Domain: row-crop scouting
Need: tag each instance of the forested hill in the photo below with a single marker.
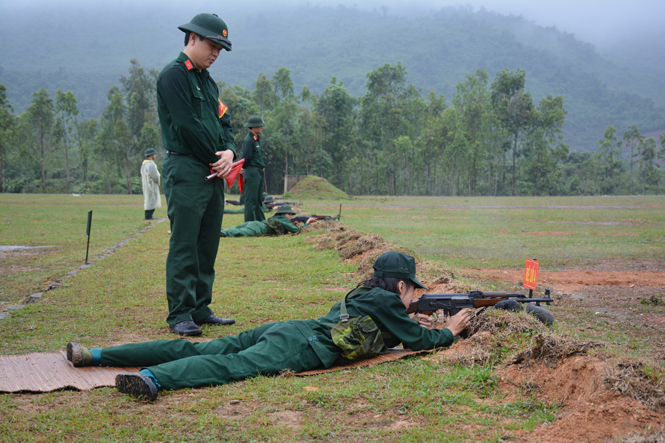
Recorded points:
(86, 49)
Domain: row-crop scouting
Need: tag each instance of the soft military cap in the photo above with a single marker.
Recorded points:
(286, 209)
(209, 26)
(149, 152)
(254, 122)
(393, 264)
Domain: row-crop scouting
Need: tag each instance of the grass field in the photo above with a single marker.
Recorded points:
(120, 299)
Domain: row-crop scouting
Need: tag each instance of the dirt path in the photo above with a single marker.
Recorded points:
(574, 280)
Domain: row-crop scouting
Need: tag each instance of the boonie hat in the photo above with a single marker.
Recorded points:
(254, 122)
(209, 26)
(393, 264)
(149, 152)
(286, 209)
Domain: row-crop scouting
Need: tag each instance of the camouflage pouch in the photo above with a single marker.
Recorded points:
(276, 226)
(357, 337)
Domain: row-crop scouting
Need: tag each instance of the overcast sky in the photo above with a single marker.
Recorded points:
(596, 21)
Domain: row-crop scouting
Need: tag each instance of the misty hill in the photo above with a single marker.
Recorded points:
(87, 47)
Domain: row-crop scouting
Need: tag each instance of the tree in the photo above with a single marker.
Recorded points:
(513, 108)
(646, 154)
(114, 137)
(609, 150)
(88, 131)
(632, 138)
(282, 84)
(41, 117)
(544, 147)
(7, 124)
(264, 95)
(335, 106)
(140, 97)
(472, 105)
(65, 107)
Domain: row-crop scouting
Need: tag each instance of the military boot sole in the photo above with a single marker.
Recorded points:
(74, 354)
(137, 385)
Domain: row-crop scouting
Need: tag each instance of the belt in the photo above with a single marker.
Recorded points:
(177, 153)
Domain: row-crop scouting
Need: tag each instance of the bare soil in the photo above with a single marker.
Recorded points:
(589, 409)
(573, 280)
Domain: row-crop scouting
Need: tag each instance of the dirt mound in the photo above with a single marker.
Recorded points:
(353, 246)
(475, 350)
(550, 348)
(313, 187)
(503, 323)
(589, 409)
(638, 381)
(598, 400)
(650, 437)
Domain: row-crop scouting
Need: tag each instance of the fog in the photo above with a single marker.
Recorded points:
(600, 22)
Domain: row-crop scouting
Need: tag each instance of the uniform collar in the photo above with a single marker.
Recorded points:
(184, 59)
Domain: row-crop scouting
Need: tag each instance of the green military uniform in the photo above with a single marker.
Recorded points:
(254, 167)
(278, 224)
(270, 348)
(194, 125)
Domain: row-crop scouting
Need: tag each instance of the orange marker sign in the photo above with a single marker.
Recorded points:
(530, 274)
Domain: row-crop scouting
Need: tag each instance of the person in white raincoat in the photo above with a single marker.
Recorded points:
(151, 179)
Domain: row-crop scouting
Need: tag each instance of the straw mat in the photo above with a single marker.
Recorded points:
(39, 372)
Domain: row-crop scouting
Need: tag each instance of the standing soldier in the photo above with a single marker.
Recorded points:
(150, 180)
(198, 137)
(253, 169)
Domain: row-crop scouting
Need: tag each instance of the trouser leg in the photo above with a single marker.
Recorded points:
(191, 199)
(249, 229)
(148, 213)
(253, 193)
(280, 347)
(207, 246)
(157, 352)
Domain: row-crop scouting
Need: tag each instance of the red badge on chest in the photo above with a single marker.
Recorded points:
(189, 65)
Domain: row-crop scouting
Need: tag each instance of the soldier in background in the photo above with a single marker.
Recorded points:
(150, 179)
(253, 170)
(279, 224)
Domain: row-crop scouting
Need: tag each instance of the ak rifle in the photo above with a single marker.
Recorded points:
(451, 304)
(304, 218)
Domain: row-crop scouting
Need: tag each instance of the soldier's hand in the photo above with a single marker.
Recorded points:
(311, 219)
(224, 164)
(458, 322)
(423, 320)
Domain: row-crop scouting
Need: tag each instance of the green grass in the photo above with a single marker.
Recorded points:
(503, 237)
(121, 299)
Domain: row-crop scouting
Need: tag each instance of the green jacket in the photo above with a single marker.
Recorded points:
(252, 152)
(193, 119)
(389, 314)
(282, 225)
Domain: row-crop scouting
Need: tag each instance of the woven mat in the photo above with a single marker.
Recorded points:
(392, 355)
(49, 372)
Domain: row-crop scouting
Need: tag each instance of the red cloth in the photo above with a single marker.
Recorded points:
(235, 169)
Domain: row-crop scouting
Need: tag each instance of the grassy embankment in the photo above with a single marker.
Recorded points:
(120, 299)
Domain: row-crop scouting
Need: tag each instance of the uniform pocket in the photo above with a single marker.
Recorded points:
(197, 101)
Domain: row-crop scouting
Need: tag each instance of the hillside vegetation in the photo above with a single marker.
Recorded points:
(317, 43)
